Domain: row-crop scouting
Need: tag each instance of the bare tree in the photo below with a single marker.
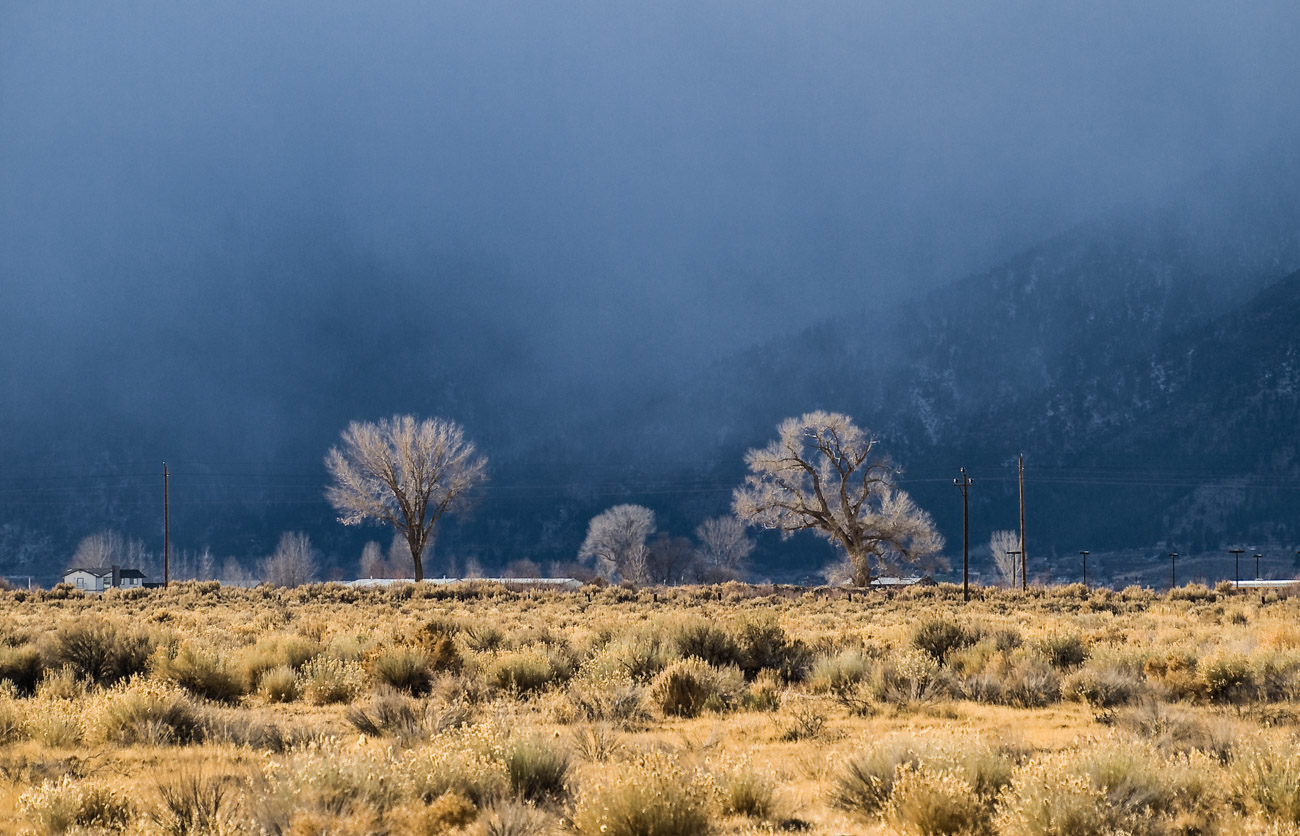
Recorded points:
(406, 473)
(1001, 544)
(373, 564)
(109, 548)
(823, 474)
(232, 571)
(616, 542)
(293, 563)
(724, 547)
(670, 560)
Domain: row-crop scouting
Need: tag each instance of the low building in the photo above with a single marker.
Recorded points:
(101, 578)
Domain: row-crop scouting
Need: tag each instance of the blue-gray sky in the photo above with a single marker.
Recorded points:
(591, 188)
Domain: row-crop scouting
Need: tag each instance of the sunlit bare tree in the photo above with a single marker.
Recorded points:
(823, 474)
(406, 473)
(293, 563)
(1001, 544)
(724, 546)
(616, 542)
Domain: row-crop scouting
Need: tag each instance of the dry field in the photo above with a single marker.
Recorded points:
(729, 710)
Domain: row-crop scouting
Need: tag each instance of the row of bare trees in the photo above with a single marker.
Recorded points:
(293, 563)
(821, 474)
(618, 545)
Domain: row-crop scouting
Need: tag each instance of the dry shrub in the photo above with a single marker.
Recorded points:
(390, 714)
(866, 782)
(689, 686)
(193, 802)
(838, 673)
(1021, 679)
(1227, 678)
(616, 700)
(49, 721)
(282, 651)
(640, 656)
(144, 711)
(651, 796)
(65, 805)
(940, 636)
(1264, 777)
(1046, 799)
(447, 814)
(404, 668)
(1277, 675)
(279, 685)
(525, 671)
(61, 684)
(1174, 672)
(22, 667)
(764, 645)
(926, 802)
(438, 641)
(1112, 787)
(1102, 687)
(326, 680)
(705, 640)
(511, 818)
(802, 722)
(596, 742)
(1063, 650)
(466, 761)
(318, 787)
(482, 637)
(765, 692)
(98, 651)
(538, 769)
(862, 786)
(201, 673)
(908, 676)
(1174, 730)
(746, 791)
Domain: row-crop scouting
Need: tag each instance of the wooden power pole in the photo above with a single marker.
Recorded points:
(1024, 560)
(167, 531)
(963, 484)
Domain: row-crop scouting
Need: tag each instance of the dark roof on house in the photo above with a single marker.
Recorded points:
(104, 571)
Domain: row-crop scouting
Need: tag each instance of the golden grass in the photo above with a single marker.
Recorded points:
(1205, 674)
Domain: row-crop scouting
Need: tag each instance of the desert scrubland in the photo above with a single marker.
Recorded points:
(732, 709)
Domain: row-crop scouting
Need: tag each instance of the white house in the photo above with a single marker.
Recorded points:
(100, 578)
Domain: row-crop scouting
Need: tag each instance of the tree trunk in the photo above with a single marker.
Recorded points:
(417, 555)
(860, 560)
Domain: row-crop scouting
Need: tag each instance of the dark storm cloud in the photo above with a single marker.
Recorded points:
(588, 189)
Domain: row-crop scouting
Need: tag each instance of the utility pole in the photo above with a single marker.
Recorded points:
(1085, 568)
(167, 530)
(1257, 557)
(1173, 577)
(1024, 559)
(963, 484)
(1236, 554)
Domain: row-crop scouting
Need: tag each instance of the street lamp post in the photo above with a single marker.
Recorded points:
(1173, 577)
(1085, 554)
(1236, 553)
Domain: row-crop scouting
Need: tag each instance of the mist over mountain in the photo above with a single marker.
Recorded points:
(618, 245)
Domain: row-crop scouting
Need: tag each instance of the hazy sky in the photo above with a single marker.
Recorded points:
(603, 185)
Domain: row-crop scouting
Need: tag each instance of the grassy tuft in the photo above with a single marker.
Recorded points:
(652, 796)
